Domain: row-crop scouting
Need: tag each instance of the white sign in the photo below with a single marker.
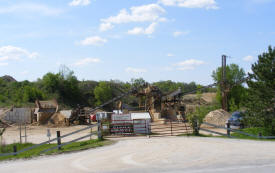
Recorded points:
(121, 118)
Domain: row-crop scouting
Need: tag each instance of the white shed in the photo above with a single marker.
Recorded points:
(141, 122)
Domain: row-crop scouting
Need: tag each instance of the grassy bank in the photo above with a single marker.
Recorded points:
(235, 135)
(76, 146)
(253, 131)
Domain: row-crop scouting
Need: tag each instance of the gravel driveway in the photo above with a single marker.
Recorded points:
(169, 154)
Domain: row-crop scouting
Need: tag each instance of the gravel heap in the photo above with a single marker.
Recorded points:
(217, 117)
(57, 120)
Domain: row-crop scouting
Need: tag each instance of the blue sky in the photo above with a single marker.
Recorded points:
(179, 40)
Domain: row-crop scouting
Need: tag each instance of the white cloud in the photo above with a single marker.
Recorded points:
(207, 4)
(170, 55)
(135, 70)
(189, 64)
(179, 33)
(15, 53)
(28, 8)
(139, 30)
(136, 31)
(80, 2)
(144, 13)
(86, 61)
(4, 63)
(248, 58)
(151, 28)
(105, 26)
(95, 41)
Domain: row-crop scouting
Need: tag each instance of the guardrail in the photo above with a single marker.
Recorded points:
(229, 130)
(59, 145)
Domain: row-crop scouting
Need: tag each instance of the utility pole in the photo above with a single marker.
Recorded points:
(224, 84)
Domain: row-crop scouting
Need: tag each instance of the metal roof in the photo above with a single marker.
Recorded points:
(140, 115)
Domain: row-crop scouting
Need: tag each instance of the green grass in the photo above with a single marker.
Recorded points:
(76, 146)
(235, 135)
(253, 131)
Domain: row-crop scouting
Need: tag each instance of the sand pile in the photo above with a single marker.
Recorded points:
(217, 117)
(57, 119)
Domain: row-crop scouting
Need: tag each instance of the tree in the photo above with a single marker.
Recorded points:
(30, 94)
(261, 93)
(62, 86)
(103, 93)
(237, 92)
(169, 86)
(50, 82)
(138, 82)
(195, 118)
(87, 92)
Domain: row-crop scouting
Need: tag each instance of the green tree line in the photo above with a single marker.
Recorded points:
(71, 92)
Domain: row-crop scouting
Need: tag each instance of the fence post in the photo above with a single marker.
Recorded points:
(14, 150)
(171, 127)
(58, 140)
(99, 134)
(20, 133)
(25, 133)
(260, 135)
(228, 129)
(196, 128)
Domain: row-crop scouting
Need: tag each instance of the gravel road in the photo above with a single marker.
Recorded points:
(38, 134)
(169, 154)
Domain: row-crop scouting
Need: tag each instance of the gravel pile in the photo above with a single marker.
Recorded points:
(217, 117)
(57, 120)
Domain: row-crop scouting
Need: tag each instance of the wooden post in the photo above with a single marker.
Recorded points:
(90, 122)
(58, 140)
(25, 133)
(228, 129)
(224, 84)
(14, 150)
(171, 127)
(260, 135)
(196, 128)
(99, 134)
(91, 131)
(20, 133)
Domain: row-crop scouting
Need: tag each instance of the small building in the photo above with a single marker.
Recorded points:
(135, 122)
(141, 122)
(44, 110)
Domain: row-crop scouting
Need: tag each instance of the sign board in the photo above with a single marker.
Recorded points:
(121, 118)
(48, 133)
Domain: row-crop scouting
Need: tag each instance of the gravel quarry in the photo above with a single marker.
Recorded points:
(160, 154)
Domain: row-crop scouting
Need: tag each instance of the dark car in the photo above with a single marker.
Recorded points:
(236, 120)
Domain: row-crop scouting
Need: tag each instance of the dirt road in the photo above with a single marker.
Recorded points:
(169, 154)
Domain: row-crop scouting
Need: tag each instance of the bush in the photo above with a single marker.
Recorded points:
(196, 117)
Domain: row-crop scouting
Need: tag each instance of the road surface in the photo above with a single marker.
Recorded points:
(164, 154)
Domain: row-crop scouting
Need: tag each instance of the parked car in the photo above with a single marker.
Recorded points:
(236, 120)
